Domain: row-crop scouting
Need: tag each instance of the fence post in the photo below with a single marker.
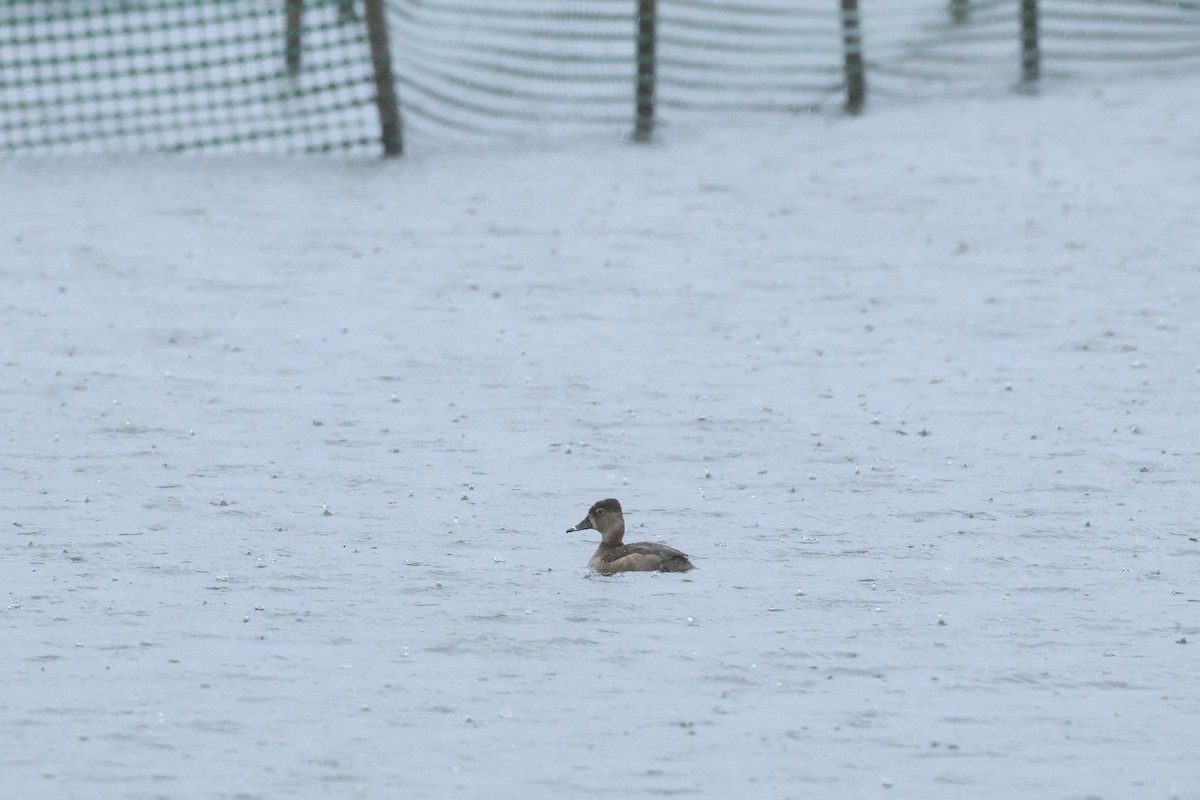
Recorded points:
(293, 35)
(647, 36)
(959, 11)
(1030, 53)
(856, 84)
(391, 133)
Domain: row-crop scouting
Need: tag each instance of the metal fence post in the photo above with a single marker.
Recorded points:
(391, 133)
(647, 35)
(856, 84)
(1030, 53)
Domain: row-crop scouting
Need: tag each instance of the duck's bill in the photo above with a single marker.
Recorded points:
(586, 525)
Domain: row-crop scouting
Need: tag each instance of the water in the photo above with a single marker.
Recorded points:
(289, 450)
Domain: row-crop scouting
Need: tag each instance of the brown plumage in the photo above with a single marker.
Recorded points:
(613, 556)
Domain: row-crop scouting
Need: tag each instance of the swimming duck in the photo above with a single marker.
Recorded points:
(612, 556)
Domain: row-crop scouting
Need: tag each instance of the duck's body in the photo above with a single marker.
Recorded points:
(614, 556)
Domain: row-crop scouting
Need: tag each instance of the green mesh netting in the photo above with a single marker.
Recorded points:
(104, 76)
(225, 75)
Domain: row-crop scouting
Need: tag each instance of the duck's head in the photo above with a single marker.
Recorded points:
(604, 516)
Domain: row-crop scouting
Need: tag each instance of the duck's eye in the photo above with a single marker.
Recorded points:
(599, 512)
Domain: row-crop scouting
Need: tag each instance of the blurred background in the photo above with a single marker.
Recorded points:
(298, 75)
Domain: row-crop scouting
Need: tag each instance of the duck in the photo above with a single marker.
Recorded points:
(612, 556)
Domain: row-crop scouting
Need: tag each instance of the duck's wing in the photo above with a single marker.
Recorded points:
(642, 549)
(642, 557)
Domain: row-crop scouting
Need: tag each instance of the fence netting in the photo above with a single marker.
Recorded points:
(291, 76)
(106, 75)
(925, 52)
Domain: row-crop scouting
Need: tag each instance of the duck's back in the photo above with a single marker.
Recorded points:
(640, 557)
